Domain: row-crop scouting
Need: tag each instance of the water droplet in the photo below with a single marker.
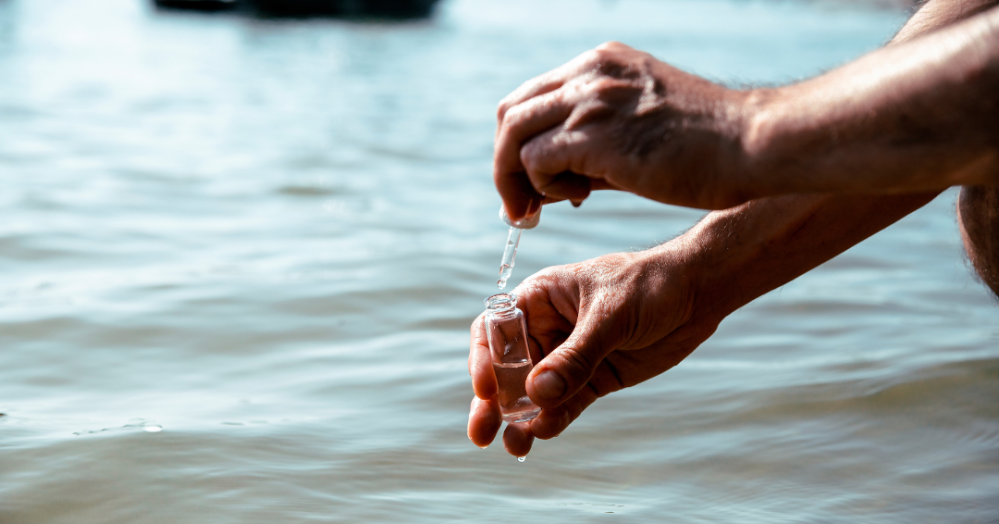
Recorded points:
(153, 429)
(521, 459)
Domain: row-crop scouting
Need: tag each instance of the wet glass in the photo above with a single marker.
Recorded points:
(506, 330)
(512, 241)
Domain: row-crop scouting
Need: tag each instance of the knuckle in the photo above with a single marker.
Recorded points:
(531, 157)
(589, 112)
(542, 280)
(574, 408)
(595, 55)
(615, 92)
(602, 85)
(527, 158)
(513, 117)
(501, 109)
(610, 48)
(610, 45)
(579, 367)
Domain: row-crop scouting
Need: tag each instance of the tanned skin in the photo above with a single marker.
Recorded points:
(615, 321)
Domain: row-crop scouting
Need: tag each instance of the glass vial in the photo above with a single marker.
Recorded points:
(506, 330)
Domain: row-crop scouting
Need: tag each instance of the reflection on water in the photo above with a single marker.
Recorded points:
(268, 238)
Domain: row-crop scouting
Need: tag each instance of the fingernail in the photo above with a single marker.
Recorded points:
(549, 385)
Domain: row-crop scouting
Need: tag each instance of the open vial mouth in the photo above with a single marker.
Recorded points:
(501, 302)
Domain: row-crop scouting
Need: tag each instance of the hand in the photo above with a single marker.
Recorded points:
(617, 118)
(594, 328)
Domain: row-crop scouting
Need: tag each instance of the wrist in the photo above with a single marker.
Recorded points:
(733, 121)
(755, 177)
(720, 263)
(680, 272)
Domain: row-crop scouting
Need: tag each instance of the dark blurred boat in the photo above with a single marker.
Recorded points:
(198, 5)
(306, 8)
(350, 8)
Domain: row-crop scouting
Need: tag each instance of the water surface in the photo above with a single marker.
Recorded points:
(239, 258)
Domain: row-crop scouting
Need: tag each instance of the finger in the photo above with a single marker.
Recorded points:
(525, 120)
(519, 197)
(551, 422)
(580, 65)
(546, 324)
(518, 439)
(538, 105)
(480, 363)
(571, 365)
(539, 85)
(637, 364)
(566, 185)
(484, 421)
(599, 184)
(556, 163)
(551, 200)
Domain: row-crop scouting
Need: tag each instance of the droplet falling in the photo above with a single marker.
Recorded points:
(509, 256)
(521, 459)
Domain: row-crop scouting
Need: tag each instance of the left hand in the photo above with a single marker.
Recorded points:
(617, 118)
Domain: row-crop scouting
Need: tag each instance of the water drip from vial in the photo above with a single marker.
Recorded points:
(509, 256)
(521, 459)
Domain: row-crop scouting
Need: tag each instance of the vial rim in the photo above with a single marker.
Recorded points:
(501, 302)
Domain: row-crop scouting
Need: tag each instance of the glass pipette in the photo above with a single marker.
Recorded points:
(509, 256)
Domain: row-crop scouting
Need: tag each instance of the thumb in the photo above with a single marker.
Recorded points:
(567, 369)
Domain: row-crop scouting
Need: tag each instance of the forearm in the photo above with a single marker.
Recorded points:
(919, 115)
(749, 250)
(940, 13)
(739, 254)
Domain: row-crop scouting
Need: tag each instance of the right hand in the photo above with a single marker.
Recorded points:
(594, 328)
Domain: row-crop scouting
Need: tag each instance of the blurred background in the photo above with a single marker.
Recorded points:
(241, 246)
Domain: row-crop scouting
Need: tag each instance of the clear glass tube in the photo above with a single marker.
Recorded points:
(509, 256)
(512, 241)
(506, 330)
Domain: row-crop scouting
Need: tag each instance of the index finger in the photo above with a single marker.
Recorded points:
(543, 83)
(538, 85)
(519, 191)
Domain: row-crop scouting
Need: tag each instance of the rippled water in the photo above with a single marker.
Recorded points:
(239, 258)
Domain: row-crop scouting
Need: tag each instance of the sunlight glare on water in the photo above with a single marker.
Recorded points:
(262, 235)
